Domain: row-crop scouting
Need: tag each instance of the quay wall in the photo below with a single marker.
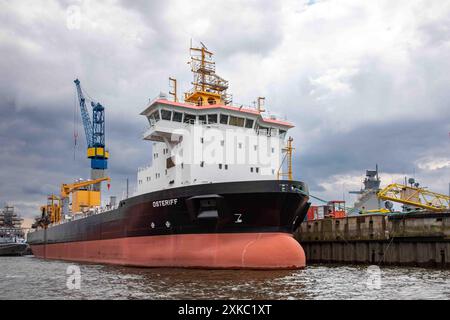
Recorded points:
(411, 239)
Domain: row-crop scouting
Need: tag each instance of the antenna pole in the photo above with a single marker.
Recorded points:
(261, 101)
(173, 86)
(289, 151)
(288, 155)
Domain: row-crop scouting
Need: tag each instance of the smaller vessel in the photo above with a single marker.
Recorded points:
(12, 241)
(368, 199)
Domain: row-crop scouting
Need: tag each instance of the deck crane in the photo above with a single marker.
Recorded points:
(95, 135)
(83, 197)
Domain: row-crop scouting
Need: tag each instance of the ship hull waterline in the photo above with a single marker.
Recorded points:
(206, 251)
(235, 225)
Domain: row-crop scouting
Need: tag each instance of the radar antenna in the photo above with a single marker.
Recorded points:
(208, 87)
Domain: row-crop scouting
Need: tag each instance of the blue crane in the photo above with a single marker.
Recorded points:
(94, 131)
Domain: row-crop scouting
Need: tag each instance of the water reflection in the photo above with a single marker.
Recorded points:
(32, 278)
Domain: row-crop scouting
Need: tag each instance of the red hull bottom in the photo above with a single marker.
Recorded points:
(215, 251)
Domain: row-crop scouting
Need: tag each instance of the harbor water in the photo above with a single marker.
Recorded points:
(32, 278)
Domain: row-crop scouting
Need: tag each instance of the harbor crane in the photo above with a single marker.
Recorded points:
(95, 135)
(85, 194)
(415, 196)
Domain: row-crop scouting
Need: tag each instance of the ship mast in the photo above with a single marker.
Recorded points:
(288, 155)
(208, 87)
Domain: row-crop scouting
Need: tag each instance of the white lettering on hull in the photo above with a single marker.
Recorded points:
(164, 203)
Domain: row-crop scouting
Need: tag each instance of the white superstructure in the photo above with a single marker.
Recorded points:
(206, 144)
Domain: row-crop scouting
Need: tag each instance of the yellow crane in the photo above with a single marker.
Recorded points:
(82, 196)
(414, 196)
(66, 189)
(52, 210)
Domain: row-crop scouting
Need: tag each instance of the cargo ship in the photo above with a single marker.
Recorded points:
(215, 195)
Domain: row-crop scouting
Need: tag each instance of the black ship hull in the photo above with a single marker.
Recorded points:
(221, 225)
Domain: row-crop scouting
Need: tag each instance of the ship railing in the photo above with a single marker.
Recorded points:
(82, 215)
(160, 96)
(228, 99)
(200, 122)
(146, 131)
(190, 122)
(163, 96)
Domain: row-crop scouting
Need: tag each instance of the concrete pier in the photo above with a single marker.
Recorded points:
(411, 239)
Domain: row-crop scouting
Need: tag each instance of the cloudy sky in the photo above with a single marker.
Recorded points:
(365, 82)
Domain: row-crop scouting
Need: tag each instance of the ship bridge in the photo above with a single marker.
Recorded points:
(167, 117)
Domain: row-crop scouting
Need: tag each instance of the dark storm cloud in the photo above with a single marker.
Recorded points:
(394, 145)
(236, 27)
(40, 59)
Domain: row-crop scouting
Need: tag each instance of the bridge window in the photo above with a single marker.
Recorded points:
(224, 119)
(202, 119)
(212, 118)
(166, 114)
(249, 123)
(236, 121)
(177, 116)
(155, 116)
(189, 118)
